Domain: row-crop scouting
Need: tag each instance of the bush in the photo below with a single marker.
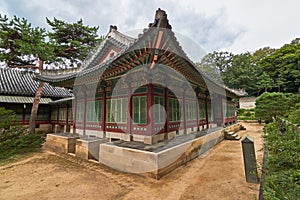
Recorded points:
(283, 163)
(15, 139)
(6, 118)
(294, 116)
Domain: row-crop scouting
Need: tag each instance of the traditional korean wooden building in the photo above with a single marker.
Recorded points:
(17, 91)
(143, 89)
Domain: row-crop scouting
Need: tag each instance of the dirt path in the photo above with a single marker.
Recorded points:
(217, 175)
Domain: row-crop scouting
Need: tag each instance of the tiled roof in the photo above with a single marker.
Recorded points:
(17, 82)
(127, 44)
(93, 61)
(22, 99)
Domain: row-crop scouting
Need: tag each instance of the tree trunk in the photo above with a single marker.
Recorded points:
(36, 103)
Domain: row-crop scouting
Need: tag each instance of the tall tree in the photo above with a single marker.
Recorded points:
(72, 41)
(242, 74)
(283, 66)
(265, 82)
(261, 53)
(66, 45)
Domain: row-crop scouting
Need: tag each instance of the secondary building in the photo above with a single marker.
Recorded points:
(17, 91)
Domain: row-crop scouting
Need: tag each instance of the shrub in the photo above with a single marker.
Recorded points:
(283, 163)
(15, 139)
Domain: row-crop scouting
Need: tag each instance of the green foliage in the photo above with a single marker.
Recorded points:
(283, 163)
(261, 53)
(283, 67)
(242, 73)
(272, 105)
(216, 63)
(72, 41)
(265, 82)
(21, 44)
(294, 115)
(6, 118)
(15, 139)
(246, 114)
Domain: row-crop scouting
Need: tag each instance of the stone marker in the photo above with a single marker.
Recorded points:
(249, 159)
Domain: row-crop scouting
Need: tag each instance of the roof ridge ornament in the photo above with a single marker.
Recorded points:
(161, 20)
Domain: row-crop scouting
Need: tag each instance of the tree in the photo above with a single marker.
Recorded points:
(216, 63)
(269, 106)
(21, 44)
(283, 66)
(242, 74)
(261, 53)
(265, 82)
(72, 41)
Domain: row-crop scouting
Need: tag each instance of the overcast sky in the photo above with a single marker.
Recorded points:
(214, 25)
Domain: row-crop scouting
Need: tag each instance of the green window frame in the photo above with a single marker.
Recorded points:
(139, 109)
(202, 114)
(159, 111)
(94, 111)
(174, 110)
(79, 111)
(209, 112)
(116, 110)
(191, 110)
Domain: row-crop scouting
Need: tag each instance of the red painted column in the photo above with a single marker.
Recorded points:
(184, 113)
(197, 112)
(67, 115)
(74, 112)
(150, 120)
(57, 116)
(206, 112)
(129, 113)
(103, 120)
(23, 114)
(166, 98)
(84, 110)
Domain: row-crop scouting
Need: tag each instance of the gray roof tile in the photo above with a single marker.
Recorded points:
(17, 82)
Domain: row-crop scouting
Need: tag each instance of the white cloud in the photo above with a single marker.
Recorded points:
(230, 25)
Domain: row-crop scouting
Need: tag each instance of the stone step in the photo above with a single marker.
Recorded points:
(232, 136)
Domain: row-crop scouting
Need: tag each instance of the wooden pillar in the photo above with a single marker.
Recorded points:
(23, 114)
(197, 112)
(184, 113)
(84, 109)
(206, 112)
(129, 112)
(74, 112)
(218, 109)
(57, 116)
(166, 98)
(150, 98)
(103, 120)
(67, 115)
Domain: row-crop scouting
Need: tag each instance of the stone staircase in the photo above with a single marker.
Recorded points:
(231, 135)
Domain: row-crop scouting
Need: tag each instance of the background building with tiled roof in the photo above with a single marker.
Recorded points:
(17, 91)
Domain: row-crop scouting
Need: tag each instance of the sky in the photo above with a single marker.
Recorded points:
(237, 26)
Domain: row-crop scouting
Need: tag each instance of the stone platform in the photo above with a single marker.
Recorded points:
(61, 142)
(162, 158)
(87, 147)
(154, 160)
